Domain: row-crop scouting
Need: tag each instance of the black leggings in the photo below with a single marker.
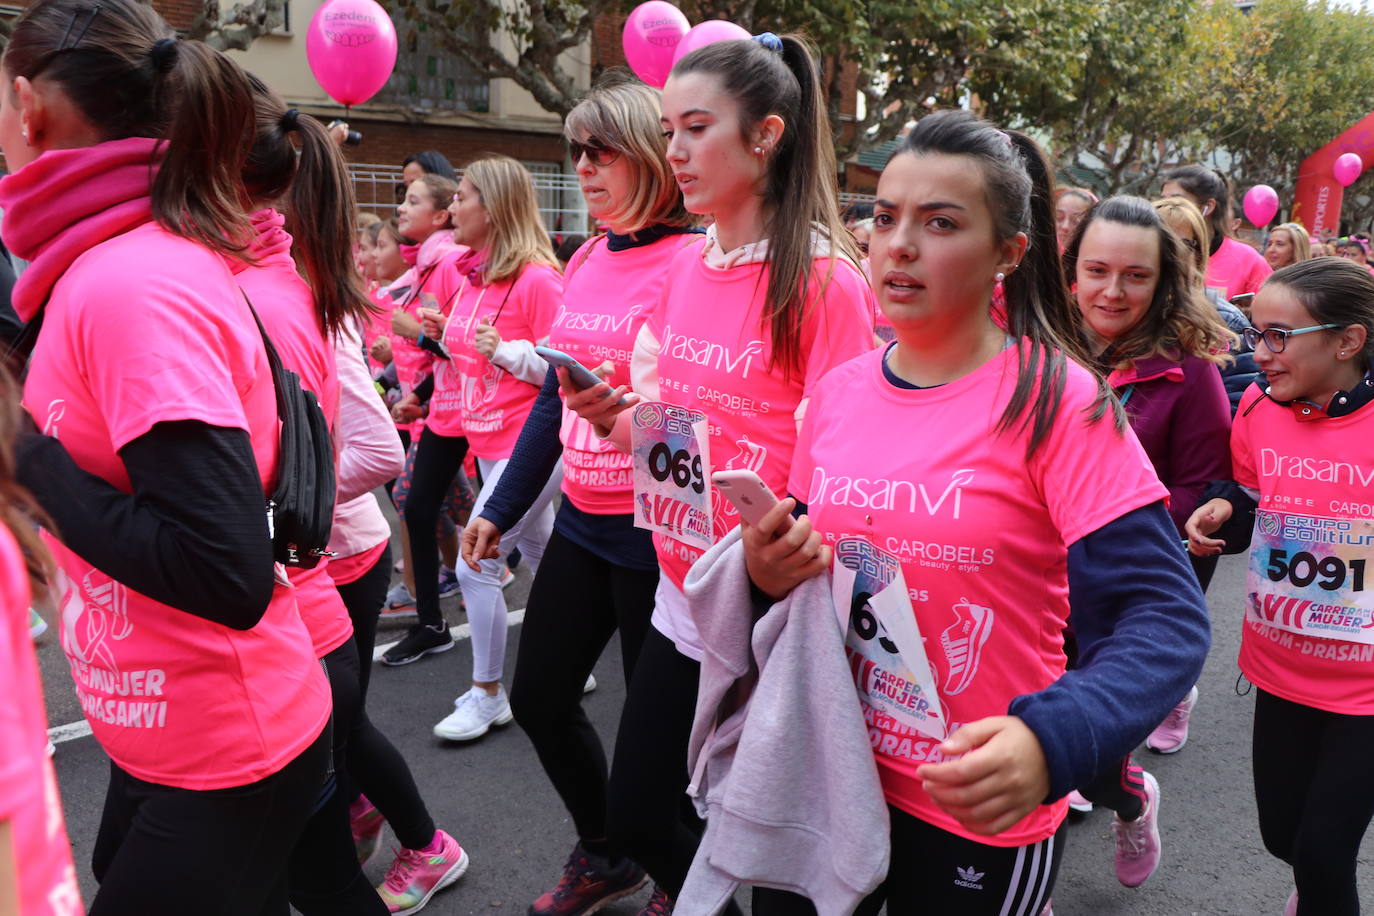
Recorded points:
(934, 871)
(649, 817)
(1314, 797)
(324, 875)
(375, 767)
(223, 852)
(437, 459)
(577, 602)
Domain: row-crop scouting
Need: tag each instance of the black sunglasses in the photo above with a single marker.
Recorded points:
(597, 153)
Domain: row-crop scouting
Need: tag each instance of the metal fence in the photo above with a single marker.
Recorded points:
(560, 198)
(378, 188)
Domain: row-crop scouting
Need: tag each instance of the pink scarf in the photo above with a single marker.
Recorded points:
(66, 202)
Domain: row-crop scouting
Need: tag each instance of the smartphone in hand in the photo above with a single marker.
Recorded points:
(581, 376)
(749, 495)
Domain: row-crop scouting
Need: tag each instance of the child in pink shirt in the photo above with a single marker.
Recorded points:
(1303, 501)
(1232, 267)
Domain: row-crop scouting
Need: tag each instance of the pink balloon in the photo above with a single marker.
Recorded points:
(1260, 204)
(1347, 168)
(708, 33)
(351, 48)
(651, 35)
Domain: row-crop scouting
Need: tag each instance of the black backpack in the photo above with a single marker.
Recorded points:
(300, 511)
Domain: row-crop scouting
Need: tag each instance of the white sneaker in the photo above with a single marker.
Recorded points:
(507, 577)
(590, 685)
(474, 713)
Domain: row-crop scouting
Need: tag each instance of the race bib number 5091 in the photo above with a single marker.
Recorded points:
(672, 472)
(1308, 575)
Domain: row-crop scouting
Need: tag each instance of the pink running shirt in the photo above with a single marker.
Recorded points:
(607, 295)
(1236, 268)
(28, 790)
(1315, 465)
(714, 357)
(982, 534)
(473, 396)
(123, 349)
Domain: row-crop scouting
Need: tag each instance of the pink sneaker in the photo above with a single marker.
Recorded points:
(366, 822)
(660, 904)
(1137, 842)
(1080, 804)
(1291, 907)
(1171, 734)
(418, 874)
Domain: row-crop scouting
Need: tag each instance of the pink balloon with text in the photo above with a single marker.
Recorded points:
(351, 48)
(651, 36)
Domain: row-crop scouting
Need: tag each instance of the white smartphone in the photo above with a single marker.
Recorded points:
(581, 376)
(749, 494)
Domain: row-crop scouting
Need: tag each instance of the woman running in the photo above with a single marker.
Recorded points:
(599, 572)
(1018, 460)
(1302, 501)
(1152, 333)
(151, 386)
(744, 328)
(498, 300)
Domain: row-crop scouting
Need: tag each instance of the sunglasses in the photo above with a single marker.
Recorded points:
(597, 154)
(1277, 338)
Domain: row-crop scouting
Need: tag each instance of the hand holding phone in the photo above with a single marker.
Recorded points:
(749, 495)
(579, 374)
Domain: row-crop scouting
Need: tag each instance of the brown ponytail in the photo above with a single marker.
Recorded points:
(800, 195)
(319, 203)
(122, 67)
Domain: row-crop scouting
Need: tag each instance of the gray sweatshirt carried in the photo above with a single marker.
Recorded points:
(779, 755)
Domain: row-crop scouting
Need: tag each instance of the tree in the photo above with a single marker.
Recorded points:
(240, 26)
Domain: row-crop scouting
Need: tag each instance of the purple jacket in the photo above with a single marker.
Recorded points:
(1181, 415)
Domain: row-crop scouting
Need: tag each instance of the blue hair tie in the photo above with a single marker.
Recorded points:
(769, 41)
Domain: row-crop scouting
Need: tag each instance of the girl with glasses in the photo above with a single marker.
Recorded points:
(1302, 500)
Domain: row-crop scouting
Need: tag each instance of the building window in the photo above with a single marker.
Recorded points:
(429, 78)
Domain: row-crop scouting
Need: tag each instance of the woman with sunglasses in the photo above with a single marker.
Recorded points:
(1303, 501)
(496, 301)
(599, 572)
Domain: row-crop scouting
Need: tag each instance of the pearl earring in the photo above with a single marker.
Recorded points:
(758, 151)
(24, 132)
(1000, 277)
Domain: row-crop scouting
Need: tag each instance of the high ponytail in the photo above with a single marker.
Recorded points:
(1207, 184)
(1040, 318)
(778, 76)
(317, 196)
(122, 67)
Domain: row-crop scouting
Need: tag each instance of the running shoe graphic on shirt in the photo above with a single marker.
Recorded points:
(963, 644)
(750, 457)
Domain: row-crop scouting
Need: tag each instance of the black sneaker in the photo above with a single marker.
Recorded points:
(419, 641)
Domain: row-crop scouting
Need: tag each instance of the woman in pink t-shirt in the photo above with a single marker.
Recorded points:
(159, 437)
(1303, 501)
(1233, 267)
(37, 877)
(600, 571)
(496, 301)
(1159, 341)
(990, 467)
(745, 327)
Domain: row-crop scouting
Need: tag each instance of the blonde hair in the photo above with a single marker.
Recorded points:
(1179, 213)
(622, 115)
(517, 237)
(1299, 240)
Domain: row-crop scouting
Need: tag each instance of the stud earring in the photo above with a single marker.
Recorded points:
(758, 151)
(24, 132)
(1000, 277)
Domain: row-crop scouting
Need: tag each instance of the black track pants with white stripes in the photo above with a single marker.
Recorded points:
(934, 871)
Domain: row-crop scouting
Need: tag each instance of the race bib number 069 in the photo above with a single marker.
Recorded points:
(672, 472)
(1309, 575)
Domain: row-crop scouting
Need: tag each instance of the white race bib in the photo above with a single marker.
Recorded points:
(672, 472)
(1312, 575)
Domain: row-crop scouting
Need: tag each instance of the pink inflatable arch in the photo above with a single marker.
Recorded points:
(1317, 201)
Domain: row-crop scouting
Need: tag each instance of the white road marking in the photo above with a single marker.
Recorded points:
(73, 730)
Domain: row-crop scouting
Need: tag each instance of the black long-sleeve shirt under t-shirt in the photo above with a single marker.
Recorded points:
(193, 533)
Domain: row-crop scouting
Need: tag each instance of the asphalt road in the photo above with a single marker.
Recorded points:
(493, 795)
